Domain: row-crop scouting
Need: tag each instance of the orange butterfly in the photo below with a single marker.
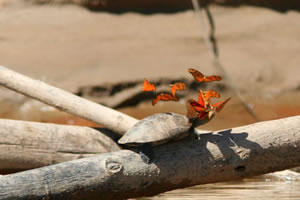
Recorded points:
(164, 97)
(191, 112)
(204, 97)
(218, 106)
(211, 93)
(197, 106)
(208, 114)
(200, 110)
(148, 86)
(177, 86)
(201, 99)
(194, 109)
(198, 76)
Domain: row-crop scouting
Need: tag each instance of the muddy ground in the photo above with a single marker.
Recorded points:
(80, 50)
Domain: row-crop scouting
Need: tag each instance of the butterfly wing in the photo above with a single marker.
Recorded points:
(177, 86)
(148, 86)
(211, 93)
(164, 97)
(168, 97)
(200, 110)
(203, 100)
(191, 112)
(220, 104)
(198, 76)
(173, 89)
(198, 107)
(202, 115)
(180, 86)
(212, 78)
(194, 109)
(155, 100)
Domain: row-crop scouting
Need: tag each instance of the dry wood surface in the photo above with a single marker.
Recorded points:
(27, 145)
(225, 155)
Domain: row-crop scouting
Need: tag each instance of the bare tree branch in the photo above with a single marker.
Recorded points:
(65, 101)
(217, 156)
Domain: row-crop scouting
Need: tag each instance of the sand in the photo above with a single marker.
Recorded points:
(70, 47)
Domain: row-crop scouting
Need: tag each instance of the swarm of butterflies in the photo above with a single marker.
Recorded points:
(202, 108)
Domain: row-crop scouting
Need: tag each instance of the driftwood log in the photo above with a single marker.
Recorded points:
(215, 156)
(65, 101)
(27, 145)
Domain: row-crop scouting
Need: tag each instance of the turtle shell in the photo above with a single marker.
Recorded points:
(156, 129)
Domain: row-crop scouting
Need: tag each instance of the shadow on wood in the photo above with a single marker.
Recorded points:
(217, 156)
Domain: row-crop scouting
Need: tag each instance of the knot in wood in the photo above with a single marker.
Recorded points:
(113, 166)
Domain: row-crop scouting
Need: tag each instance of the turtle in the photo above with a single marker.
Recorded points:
(158, 129)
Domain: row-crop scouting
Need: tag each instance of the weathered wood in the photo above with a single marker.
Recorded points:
(27, 145)
(65, 101)
(217, 156)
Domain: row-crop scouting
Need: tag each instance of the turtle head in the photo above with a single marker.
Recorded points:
(198, 122)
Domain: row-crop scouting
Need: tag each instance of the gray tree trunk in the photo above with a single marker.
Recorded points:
(216, 156)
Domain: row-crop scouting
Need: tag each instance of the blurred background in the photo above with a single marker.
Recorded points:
(103, 49)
